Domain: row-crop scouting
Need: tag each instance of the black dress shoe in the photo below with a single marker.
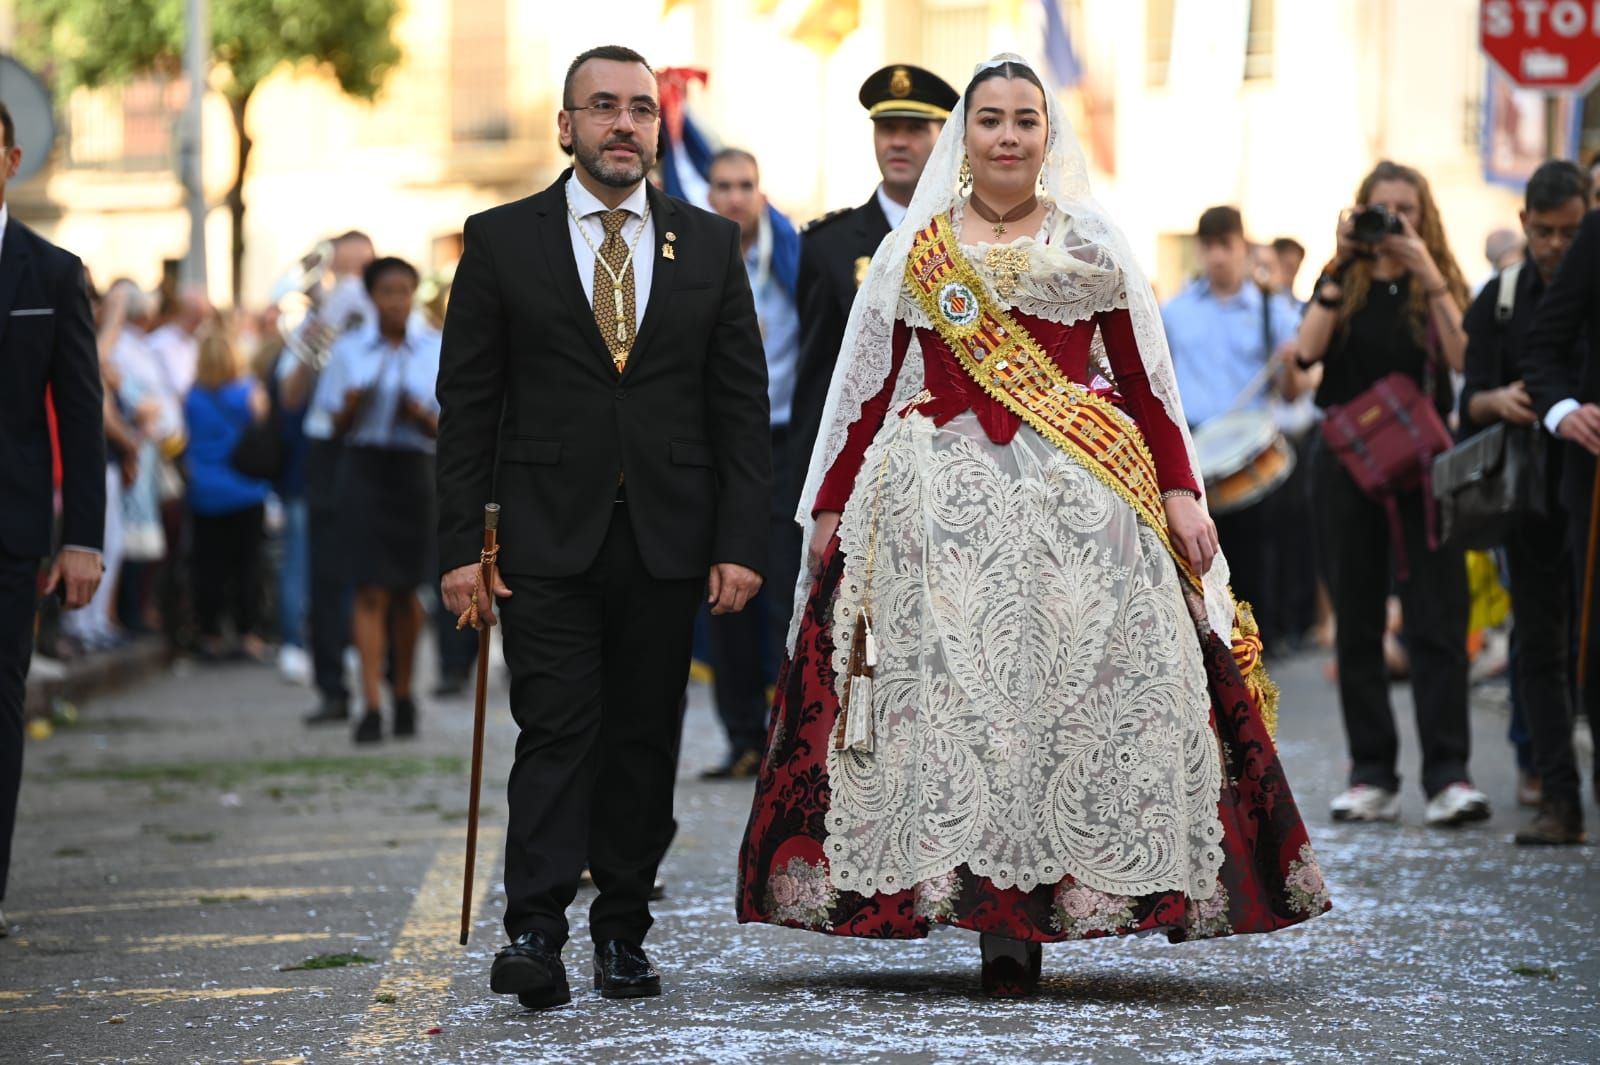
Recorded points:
(529, 969)
(621, 970)
(370, 728)
(405, 717)
(450, 685)
(331, 712)
(742, 766)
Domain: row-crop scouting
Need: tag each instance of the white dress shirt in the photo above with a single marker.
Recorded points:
(587, 206)
(362, 358)
(5, 217)
(894, 212)
(179, 354)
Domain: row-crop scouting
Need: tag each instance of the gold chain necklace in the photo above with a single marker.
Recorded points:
(616, 276)
(994, 218)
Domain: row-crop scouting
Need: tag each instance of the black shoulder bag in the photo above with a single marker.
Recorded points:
(1487, 481)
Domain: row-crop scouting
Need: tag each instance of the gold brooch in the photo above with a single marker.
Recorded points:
(666, 250)
(1007, 263)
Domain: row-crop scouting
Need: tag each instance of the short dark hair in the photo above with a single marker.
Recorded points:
(1289, 246)
(1220, 223)
(374, 271)
(1555, 183)
(615, 52)
(1007, 70)
(726, 154)
(11, 127)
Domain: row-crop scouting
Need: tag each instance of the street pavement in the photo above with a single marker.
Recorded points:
(187, 848)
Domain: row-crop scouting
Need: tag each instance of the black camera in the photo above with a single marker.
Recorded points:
(1372, 223)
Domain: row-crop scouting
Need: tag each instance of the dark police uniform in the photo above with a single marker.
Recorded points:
(834, 252)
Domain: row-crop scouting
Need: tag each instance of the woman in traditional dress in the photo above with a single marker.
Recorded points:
(1019, 697)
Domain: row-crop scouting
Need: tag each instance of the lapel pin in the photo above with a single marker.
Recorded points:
(666, 249)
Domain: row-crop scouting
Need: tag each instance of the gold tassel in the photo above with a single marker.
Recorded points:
(1246, 647)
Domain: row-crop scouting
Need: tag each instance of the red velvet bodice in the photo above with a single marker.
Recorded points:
(954, 392)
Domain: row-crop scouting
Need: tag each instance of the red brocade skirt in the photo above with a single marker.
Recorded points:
(1269, 878)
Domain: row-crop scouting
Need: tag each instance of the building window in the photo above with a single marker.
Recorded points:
(479, 85)
(1258, 41)
(127, 128)
(1157, 40)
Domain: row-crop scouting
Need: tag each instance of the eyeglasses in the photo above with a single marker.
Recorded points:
(607, 112)
(1539, 231)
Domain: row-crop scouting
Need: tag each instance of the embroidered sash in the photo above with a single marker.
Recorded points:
(1010, 366)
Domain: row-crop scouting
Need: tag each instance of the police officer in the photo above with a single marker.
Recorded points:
(908, 107)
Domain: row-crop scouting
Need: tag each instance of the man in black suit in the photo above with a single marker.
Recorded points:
(46, 343)
(908, 106)
(1563, 381)
(601, 350)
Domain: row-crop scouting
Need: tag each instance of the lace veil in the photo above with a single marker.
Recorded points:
(1081, 226)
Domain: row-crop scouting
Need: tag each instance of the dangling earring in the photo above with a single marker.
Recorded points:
(964, 179)
(1043, 188)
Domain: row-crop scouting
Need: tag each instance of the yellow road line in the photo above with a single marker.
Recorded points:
(415, 992)
(179, 898)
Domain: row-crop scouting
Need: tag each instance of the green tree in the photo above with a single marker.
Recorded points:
(91, 43)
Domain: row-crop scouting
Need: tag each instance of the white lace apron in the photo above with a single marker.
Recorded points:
(1040, 705)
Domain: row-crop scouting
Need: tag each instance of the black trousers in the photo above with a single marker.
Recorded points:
(742, 644)
(598, 665)
(1542, 584)
(1354, 536)
(225, 566)
(328, 615)
(1576, 495)
(1247, 540)
(18, 587)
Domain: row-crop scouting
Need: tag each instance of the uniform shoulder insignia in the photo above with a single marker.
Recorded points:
(823, 220)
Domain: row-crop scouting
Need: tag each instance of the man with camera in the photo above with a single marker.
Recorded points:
(1537, 557)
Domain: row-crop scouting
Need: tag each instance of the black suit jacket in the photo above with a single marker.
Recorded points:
(47, 341)
(526, 384)
(832, 250)
(1555, 365)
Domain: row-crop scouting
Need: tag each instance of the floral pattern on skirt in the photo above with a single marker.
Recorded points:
(1269, 877)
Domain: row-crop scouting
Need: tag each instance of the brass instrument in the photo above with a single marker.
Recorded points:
(303, 291)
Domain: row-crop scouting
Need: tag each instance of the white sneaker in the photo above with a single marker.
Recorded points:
(294, 665)
(1457, 804)
(1363, 802)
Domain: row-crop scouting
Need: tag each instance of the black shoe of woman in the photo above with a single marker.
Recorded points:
(1011, 967)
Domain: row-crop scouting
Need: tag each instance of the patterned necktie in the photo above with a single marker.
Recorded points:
(613, 300)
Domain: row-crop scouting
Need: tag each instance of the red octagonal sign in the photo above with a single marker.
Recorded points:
(1543, 44)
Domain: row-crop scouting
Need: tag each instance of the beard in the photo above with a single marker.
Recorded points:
(619, 176)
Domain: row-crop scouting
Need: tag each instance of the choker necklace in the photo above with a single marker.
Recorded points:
(994, 218)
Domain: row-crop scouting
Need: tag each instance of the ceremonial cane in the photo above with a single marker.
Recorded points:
(1588, 580)
(486, 561)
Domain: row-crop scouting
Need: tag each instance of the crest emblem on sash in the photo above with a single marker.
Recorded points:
(958, 304)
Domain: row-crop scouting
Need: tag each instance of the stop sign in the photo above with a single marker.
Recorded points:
(1543, 44)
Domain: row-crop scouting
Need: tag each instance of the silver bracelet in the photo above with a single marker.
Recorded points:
(1171, 492)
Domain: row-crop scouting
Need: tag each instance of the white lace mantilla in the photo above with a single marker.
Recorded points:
(1040, 705)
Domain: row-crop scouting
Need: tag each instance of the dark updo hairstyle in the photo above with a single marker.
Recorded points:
(1007, 70)
(375, 270)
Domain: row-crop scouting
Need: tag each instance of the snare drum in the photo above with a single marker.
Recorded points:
(1243, 459)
